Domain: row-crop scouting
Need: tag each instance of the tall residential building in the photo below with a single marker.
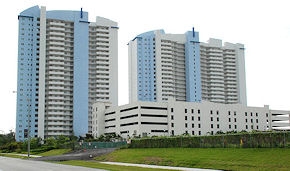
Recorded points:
(178, 67)
(65, 64)
(223, 72)
(164, 66)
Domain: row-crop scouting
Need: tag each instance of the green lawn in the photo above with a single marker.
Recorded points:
(215, 158)
(240, 159)
(54, 152)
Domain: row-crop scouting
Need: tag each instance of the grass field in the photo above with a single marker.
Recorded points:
(214, 158)
(54, 152)
(248, 159)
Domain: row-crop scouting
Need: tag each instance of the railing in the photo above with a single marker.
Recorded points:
(96, 145)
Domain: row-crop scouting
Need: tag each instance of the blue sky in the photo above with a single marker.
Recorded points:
(262, 26)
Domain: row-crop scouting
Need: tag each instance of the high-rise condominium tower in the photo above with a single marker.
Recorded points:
(179, 67)
(65, 64)
(223, 72)
(164, 66)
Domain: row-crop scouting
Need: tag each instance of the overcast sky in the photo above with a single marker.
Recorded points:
(263, 26)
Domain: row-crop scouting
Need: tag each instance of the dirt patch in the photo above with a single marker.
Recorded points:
(153, 160)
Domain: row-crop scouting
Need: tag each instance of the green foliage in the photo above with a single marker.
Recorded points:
(6, 138)
(59, 142)
(7, 143)
(110, 137)
(11, 147)
(220, 140)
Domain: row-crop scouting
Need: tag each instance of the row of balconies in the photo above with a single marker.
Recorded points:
(102, 53)
(180, 85)
(59, 117)
(215, 62)
(55, 23)
(99, 42)
(57, 129)
(56, 33)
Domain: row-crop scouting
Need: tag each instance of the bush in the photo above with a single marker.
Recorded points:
(230, 140)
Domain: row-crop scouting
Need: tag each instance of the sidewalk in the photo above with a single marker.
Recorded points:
(24, 155)
(158, 167)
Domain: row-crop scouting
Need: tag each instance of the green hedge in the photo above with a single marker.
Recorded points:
(238, 140)
(95, 145)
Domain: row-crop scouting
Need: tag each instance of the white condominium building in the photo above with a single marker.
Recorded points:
(179, 67)
(65, 64)
(164, 66)
(223, 72)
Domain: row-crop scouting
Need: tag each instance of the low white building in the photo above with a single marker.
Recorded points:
(177, 118)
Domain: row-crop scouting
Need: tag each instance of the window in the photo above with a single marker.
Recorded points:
(218, 126)
(198, 125)
(172, 124)
(185, 110)
(171, 110)
(199, 118)
(172, 117)
(210, 111)
(192, 125)
(229, 119)
(211, 118)
(246, 114)
(185, 125)
(185, 118)
(211, 125)
(198, 111)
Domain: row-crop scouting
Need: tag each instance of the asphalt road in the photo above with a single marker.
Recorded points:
(13, 164)
(88, 154)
